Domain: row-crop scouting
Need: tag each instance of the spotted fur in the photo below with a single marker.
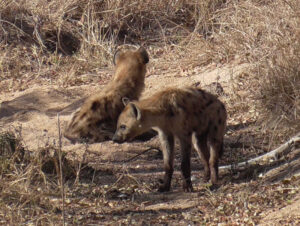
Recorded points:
(196, 117)
(96, 120)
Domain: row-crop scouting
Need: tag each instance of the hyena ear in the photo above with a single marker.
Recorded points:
(144, 54)
(116, 56)
(125, 100)
(136, 111)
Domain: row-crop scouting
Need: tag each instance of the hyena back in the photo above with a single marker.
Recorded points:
(96, 120)
(197, 118)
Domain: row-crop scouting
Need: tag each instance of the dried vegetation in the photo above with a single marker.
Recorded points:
(67, 42)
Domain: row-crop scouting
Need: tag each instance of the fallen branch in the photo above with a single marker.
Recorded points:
(270, 156)
(286, 169)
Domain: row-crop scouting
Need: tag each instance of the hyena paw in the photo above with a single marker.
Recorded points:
(188, 187)
(206, 177)
(163, 187)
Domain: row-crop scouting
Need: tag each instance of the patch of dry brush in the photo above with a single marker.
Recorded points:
(269, 41)
(28, 182)
(61, 42)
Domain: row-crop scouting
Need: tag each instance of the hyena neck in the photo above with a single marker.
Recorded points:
(131, 89)
(151, 118)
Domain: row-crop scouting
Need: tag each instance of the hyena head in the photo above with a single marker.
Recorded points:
(130, 124)
(140, 56)
(96, 120)
(85, 127)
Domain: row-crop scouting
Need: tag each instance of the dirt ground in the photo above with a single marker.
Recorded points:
(128, 173)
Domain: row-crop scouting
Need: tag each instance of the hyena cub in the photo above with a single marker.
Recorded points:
(96, 120)
(190, 114)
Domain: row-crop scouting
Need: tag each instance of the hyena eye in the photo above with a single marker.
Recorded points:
(122, 127)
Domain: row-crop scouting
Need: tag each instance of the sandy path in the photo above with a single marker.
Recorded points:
(35, 109)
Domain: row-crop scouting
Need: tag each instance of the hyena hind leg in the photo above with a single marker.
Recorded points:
(185, 147)
(200, 144)
(216, 149)
(167, 142)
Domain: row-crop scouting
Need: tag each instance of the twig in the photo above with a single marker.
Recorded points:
(136, 181)
(110, 188)
(36, 32)
(59, 41)
(128, 160)
(23, 32)
(162, 30)
(80, 164)
(61, 170)
(283, 149)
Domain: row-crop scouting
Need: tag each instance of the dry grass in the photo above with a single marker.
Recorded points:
(269, 41)
(61, 41)
(17, 174)
(279, 92)
(29, 181)
(66, 42)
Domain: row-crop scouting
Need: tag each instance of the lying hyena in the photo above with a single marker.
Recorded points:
(192, 115)
(96, 120)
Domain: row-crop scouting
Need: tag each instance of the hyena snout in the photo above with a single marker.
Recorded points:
(70, 138)
(117, 138)
(120, 136)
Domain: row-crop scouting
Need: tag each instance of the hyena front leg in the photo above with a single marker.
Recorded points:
(185, 146)
(167, 142)
(200, 144)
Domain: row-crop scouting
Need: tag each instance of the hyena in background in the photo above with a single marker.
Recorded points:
(192, 115)
(96, 120)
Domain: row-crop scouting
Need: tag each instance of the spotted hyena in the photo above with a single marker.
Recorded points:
(190, 114)
(96, 120)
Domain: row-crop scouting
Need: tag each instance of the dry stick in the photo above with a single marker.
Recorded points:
(13, 25)
(80, 164)
(111, 187)
(59, 41)
(162, 30)
(130, 176)
(60, 172)
(283, 149)
(284, 170)
(37, 32)
(128, 160)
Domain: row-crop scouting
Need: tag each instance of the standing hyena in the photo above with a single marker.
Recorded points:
(96, 120)
(190, 114)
